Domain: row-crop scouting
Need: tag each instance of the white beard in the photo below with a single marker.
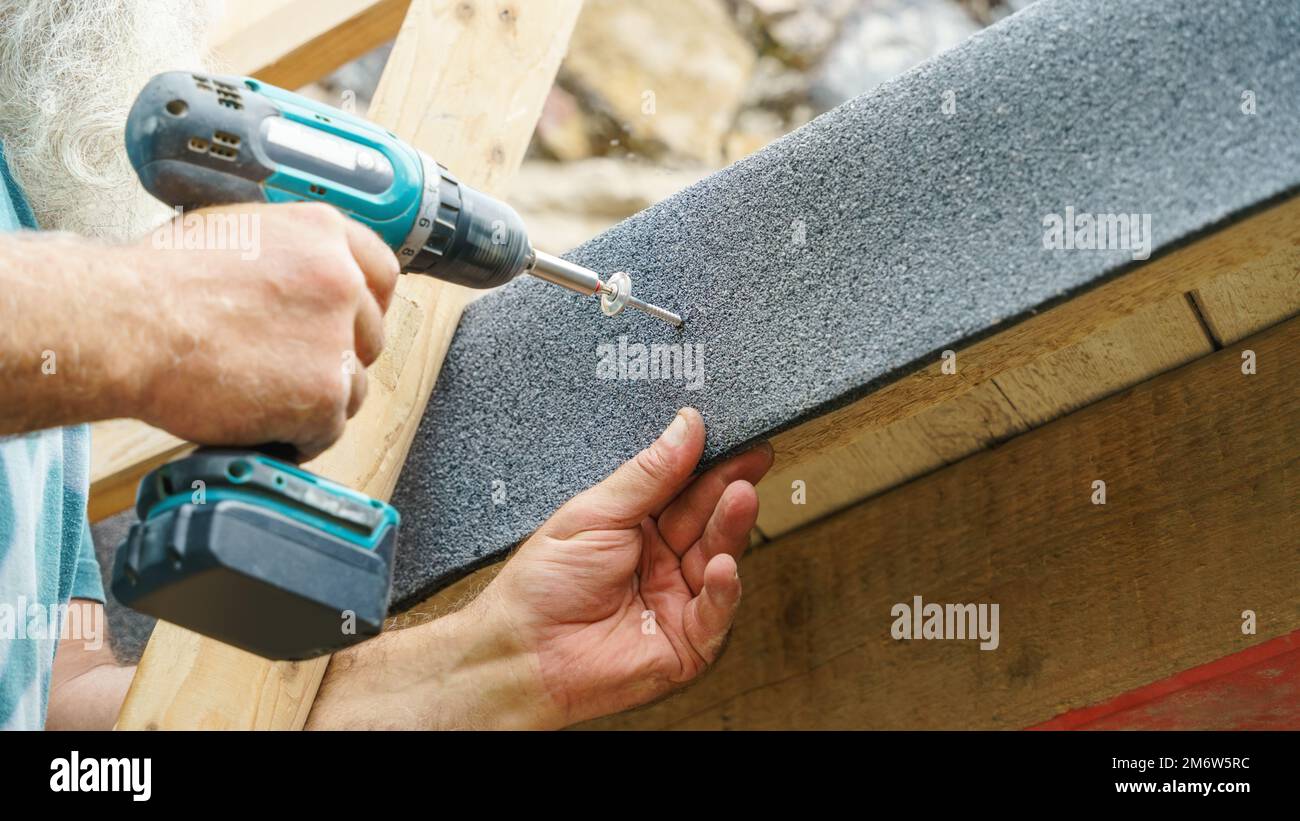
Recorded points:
(69, 71)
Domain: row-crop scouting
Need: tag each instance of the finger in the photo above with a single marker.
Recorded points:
(326, 424)
(376, 260)
(727, 532)
(322, 434)
(368, 332)
(360, 384)
(643, 484)
(709, 615)
(683, 521)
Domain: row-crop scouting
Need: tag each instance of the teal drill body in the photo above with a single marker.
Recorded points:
(198, 140)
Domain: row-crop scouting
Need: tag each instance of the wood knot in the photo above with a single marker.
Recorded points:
(797, 612)
(465, 10)
(497, 156)
(508, 15)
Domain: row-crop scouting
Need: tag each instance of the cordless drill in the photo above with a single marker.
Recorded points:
(243, 545)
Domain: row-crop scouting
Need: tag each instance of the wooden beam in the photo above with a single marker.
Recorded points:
(1262, 293)
(122, 451)
(1154, 339)
(291, 43)
(1202, 472)
(466, 83)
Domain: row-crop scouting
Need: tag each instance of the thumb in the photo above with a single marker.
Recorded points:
(643, 485)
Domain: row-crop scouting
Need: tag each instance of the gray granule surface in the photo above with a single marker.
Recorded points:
(128, 630)
(856, 249)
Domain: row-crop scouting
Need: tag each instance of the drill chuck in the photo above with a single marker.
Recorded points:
(462, 235)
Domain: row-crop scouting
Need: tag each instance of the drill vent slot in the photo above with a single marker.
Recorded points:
(318, 190)
(227, 94)
(213, 149)
(225, 138)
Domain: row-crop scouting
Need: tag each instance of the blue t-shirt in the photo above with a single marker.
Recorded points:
(46, 555)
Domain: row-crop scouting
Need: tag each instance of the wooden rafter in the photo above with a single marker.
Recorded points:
(290, 43)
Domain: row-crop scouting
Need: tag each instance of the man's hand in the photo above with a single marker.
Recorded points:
(223, 346)
(629, 590)
(625, 594)
(272, 349)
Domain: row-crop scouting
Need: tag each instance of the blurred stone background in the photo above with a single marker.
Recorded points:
(656, 94)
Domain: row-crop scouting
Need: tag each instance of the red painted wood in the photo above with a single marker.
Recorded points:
(1255, 689)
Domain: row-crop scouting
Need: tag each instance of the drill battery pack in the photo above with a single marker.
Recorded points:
(257, 553)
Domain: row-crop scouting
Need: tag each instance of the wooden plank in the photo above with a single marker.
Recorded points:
(466, 83)
(1153, 340)
(879, 458)
(1202, 467)
(1132, 349)
(1245, 302)
(186, 682)
(290, 43)
(121, 452)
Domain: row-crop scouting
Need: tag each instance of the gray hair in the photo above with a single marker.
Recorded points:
(69, 71)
